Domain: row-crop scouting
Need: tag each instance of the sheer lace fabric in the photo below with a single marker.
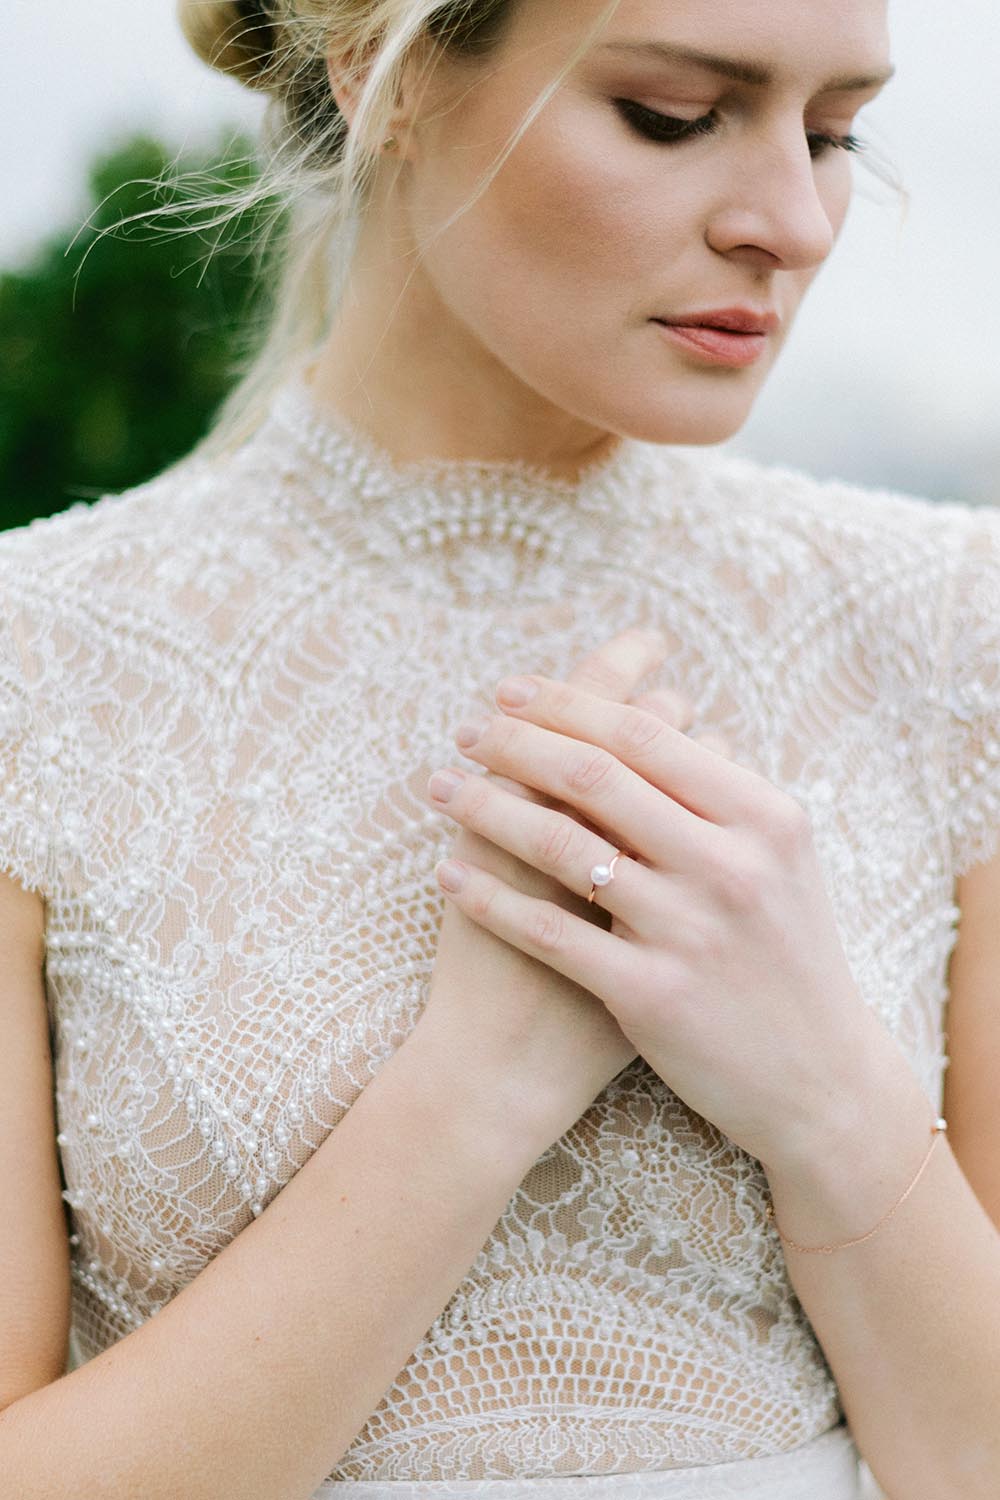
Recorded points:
(221, 695)
(824, 1469)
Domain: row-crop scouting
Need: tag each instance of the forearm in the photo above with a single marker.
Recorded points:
(253, 1381)
(909, 1320)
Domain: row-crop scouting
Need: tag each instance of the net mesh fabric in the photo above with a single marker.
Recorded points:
(222, 695)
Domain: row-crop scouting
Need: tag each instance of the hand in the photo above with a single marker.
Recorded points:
(498, 1010)
(722, 964)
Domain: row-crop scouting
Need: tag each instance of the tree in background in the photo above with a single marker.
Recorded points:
(117, 348)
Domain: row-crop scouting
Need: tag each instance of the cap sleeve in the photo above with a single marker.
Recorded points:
(971, 650)
(24, 835)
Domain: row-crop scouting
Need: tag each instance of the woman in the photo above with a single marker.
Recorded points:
(638, 1184)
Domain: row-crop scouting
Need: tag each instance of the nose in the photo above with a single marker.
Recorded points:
(773, 210)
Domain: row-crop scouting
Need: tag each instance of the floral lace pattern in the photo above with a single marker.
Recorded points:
(825, 1469)
(221, 695)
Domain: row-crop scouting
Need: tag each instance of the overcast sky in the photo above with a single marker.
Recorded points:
(892, 373)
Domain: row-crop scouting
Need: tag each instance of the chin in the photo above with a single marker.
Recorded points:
(689, 408)
(696, 422)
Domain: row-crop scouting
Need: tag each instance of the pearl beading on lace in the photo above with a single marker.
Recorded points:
(221, 695)
(412, 508)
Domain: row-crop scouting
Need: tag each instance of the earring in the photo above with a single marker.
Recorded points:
(388, 145)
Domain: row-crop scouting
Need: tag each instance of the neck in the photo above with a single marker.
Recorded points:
(407, 373)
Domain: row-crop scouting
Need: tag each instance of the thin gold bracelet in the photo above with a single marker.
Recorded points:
(938, 1128)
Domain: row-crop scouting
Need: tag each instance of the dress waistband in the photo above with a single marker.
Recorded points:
(825, 1469)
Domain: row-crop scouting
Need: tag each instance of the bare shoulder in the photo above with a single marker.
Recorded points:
(971, 1096)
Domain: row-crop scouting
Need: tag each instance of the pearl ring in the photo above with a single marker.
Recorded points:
(604, 874)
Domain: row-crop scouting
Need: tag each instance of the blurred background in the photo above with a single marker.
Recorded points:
(114, 353)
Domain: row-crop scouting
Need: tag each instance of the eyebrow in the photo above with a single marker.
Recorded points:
(741, 71)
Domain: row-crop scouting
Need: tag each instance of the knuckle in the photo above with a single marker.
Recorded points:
(636, 732)
(560, 842)
(547, 927)
(589, 771)
(739, 881)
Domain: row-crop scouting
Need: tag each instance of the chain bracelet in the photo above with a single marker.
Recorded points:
(938, 1128)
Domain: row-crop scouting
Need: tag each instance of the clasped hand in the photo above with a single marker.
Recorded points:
(722, 964)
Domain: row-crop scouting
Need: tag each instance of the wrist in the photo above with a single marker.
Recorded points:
(480, 1105)
(859, 1163)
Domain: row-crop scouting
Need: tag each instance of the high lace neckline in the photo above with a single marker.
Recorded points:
(333, 439)
(408, 506)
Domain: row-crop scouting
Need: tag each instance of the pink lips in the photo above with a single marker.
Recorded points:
(733, 336)
(733, 319)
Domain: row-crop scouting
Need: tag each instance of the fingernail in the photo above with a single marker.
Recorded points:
(451, 875)
(443, 784)
(515, 692)
(466, 735)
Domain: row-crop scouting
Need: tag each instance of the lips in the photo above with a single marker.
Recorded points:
(728, 319)
(714, 346)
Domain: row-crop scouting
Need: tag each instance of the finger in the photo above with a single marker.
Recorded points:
(705, 782)
(617, 800)
(552, 842)
(615, 669)
(667, 705)
(605, 965)
(716, 742)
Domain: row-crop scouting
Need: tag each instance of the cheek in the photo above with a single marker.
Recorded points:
(573, 224)
(571, 212)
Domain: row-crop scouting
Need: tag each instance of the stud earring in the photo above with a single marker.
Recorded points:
(388, 145)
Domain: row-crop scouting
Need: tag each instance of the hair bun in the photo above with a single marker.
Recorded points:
(235, 36)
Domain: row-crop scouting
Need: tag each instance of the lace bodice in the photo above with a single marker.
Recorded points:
(221, 695)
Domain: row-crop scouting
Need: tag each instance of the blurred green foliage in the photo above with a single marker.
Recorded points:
(116, 350)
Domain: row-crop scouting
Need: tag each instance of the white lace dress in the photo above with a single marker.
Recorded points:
(221, 695)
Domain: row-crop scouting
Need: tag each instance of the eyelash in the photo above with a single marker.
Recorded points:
(669, 131)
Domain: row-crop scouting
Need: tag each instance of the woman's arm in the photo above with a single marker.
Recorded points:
(253, 1381)
(909, 1320)
(724, 967)
(34, 1246)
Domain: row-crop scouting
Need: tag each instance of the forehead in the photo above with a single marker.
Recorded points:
(787, 39)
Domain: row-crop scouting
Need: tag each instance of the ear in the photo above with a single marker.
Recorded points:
(347, 81)
(345, 86)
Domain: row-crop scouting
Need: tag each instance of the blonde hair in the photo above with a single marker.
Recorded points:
(313, 174)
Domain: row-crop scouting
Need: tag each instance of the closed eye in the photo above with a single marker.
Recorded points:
(668, 130)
